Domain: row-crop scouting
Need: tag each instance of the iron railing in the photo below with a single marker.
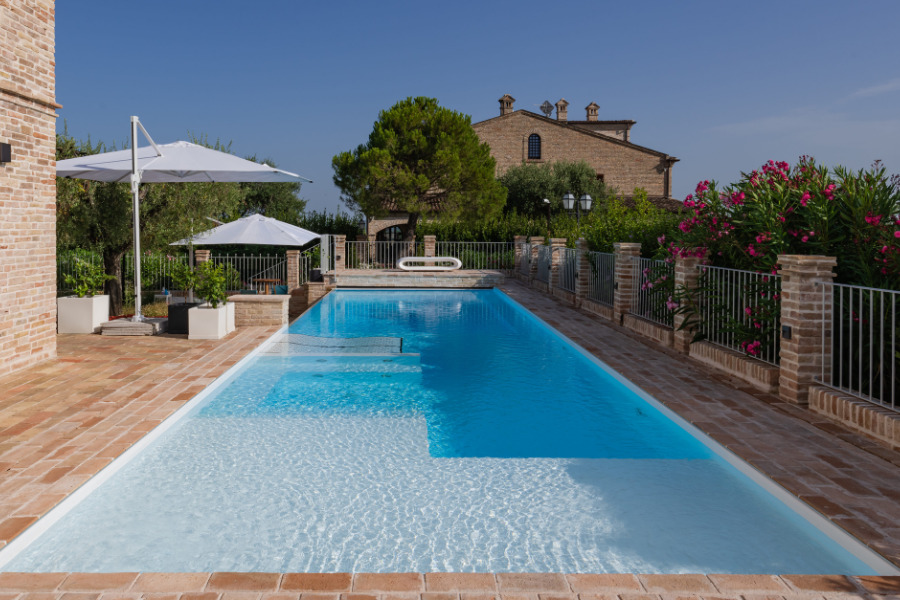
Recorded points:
(379, 255)
(740, 310)
(543, 264)
(525, 264)
(862, 355)
(565, 274)
(252, 272)
(495, 256)
(602, 283)
(652, 295)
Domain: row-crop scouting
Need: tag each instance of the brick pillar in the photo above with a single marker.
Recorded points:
(555, 259)
(535, 242)
(430, 243)
(803, 305)
(582, 271)
(625, 253)
(293, 270)
(518, 244)
(201, 256)
(686, 275)
(340, 249)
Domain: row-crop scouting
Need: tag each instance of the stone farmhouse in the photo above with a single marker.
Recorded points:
(519, 137)
(27, 183)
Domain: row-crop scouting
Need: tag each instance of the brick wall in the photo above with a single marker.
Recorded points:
(622, 165)
(27, 184)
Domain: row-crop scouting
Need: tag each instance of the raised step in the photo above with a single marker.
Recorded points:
(149, 326)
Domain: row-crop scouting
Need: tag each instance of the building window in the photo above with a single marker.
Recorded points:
(534, 146)
(600, 177)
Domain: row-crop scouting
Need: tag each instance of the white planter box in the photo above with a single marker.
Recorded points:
(229, 317)
(206, 323)
(81, 315)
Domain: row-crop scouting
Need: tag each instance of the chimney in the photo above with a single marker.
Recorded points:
(592, 109)
(562, 113)
(506, 104)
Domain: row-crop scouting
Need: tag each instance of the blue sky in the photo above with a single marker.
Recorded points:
(724, 86)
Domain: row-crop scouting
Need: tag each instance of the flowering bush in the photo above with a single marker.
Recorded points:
(779, 209)
(807, 209)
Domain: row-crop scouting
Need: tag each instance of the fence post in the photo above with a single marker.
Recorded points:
(519, 245)
(687, 274)
(555, 259)
(582, 271)
(626, 253)
(201, 256)
(340, 249)
(430, 243)
(293, 270)
(805, 334)
(535, 242)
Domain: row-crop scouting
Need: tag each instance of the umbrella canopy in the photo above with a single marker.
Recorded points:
(254, 229)
(175, 162)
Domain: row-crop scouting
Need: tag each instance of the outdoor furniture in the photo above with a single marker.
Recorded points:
(431, 263)
(266, 282)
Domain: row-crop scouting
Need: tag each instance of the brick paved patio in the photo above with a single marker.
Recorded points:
(64, 420)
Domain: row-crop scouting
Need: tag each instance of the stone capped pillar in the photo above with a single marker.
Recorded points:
(201, 256)
(293, 270)
(687, 274)
(535, 242)
(340, 249)
(582, 271)
(626, 253)
(805, 328)
(430, 245)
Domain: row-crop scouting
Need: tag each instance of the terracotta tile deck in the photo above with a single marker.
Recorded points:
(64, 420)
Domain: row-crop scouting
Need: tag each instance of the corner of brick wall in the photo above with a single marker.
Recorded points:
(875, 422)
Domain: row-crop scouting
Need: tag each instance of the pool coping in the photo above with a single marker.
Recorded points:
(502, 585)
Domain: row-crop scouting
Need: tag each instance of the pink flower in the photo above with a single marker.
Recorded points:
(805, 238)
(749, 311)
(671, 304)
(804, 198)
(897, 234)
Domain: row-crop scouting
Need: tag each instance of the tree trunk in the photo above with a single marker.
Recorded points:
(112, 265)
(411, 223)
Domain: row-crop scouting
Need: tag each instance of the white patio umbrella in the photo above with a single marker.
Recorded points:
(175, 162)
(252, 229)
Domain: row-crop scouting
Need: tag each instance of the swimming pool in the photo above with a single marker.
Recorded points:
(481, 441)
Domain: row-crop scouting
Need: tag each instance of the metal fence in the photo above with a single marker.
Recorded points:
(252, 271)
(65, 265)
(496, 256)
(543, 264)
(653, 293)
(602, 283)
(863, 354)
(525, 264)
(379, 255)
(740, 310)
(566, 269)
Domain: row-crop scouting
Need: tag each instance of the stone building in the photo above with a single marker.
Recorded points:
(521, 136)
(27, 183)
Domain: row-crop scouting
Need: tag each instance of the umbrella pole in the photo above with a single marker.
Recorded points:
(135, 185)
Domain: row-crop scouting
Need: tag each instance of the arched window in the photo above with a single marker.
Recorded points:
(534, 146)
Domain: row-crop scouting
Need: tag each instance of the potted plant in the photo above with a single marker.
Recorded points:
(184, 278)
(215, 320)
(88, 309)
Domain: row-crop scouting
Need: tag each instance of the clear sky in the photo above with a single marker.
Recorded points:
(722, 85)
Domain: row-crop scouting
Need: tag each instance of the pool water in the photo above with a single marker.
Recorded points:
(489, 444)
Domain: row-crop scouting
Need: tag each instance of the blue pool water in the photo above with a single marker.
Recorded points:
(488, 444)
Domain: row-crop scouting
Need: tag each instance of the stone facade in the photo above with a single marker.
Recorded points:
(604, 145)
(27, 184)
